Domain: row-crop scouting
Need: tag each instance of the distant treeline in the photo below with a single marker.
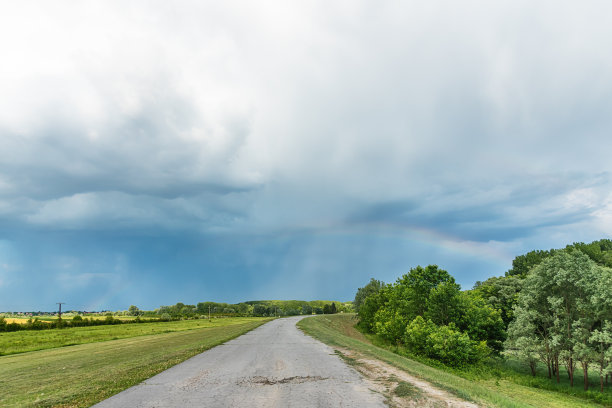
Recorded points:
(255, 308)
(259, 308)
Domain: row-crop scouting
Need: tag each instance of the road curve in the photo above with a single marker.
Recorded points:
(275, 365)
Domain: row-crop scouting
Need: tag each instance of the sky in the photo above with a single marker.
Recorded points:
(155, 152)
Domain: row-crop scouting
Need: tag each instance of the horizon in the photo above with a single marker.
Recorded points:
(153, 153)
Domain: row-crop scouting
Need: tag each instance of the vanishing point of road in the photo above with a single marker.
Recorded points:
(275, 365)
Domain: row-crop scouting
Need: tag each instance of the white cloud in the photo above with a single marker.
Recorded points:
(298, 115)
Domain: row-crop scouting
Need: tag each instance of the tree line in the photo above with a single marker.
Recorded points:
(552, 307)
(261, 308)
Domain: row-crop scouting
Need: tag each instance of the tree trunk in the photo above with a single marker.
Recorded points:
(585, 371)
(532, 365)
(557, 368)
(601, 383)
(549, 370)
(571, 371)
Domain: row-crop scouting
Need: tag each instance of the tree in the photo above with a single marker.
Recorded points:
(501, 293)
(601, 337)
(444, 303)
(555, 309)
(522, 264)
(417, 284)
(133, 311)
(481, 321)
(368, 309)
(362, 293)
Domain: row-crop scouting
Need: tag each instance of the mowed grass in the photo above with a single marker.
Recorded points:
(31, 340)
(339, 330)
(82, 375)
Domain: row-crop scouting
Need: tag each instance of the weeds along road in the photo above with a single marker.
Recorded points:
(275, 365)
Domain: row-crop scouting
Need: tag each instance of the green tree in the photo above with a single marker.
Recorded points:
(368, 310)
(555, 309)
(501, 293)
(481, 321)
(444, 303)
(133, 310)
(416, 285)
(522, 264)
(362, 293)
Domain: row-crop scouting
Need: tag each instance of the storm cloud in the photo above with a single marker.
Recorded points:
(152, 152)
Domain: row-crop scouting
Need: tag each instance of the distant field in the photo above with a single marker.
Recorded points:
(81, 375)
(44, 318)
(497, 391)
(31, 340)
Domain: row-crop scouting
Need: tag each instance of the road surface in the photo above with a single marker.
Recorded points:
(275, 365)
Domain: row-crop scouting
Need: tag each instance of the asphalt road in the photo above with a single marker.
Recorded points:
(275, 365)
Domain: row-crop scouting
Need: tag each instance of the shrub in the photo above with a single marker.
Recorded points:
(390, 324)
(454, 348)
(417, 333)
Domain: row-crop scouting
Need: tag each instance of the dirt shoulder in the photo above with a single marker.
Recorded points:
(400, 388)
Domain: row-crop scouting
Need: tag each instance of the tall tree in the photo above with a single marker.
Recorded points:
(555, 307)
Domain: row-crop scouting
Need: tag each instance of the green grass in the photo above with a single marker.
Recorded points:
(338, 330)
(405, 390)
(82, 375)
(31, 340)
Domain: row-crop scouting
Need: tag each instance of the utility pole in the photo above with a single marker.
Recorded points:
(209, 313)
(59, 315)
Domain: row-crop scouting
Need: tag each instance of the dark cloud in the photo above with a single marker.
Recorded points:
(277, 150)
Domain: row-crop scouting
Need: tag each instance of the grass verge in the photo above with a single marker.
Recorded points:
(82, 375)
(31, 340)
(338, 330)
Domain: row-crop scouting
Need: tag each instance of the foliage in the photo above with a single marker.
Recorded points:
(563, 313)
(426, 311)
(133, 311)
(522, 264)
(598, 251)
(493, 384)
(501, 293)
(362, 293)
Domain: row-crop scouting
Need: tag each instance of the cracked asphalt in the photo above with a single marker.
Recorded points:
(275, 365)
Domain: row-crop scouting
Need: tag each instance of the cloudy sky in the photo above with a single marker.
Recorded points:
(153, 152)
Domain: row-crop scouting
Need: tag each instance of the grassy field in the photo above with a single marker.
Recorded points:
(496, 391)
(81, 375)
(31, 340)
(65, 317)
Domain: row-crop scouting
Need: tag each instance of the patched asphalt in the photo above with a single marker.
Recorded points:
(275, 365)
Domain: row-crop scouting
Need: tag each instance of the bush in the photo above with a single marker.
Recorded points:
(417, 333)
(454, 348)
(443, 343)
(390, 324)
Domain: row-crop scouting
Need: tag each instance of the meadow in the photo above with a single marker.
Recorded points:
(505, 385)
(23, 341)
(98, 367)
